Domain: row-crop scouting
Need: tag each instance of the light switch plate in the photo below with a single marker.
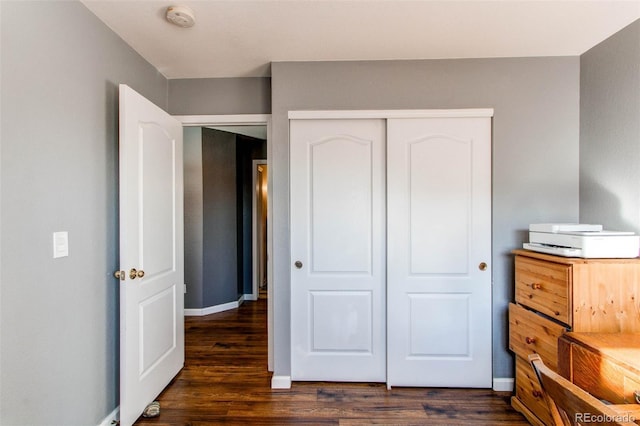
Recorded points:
(60, 244)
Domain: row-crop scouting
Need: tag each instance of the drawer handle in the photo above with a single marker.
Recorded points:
(536, 394)
(536, 286)
(530, 340)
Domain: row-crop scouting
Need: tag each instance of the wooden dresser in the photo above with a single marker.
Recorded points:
(555, 294)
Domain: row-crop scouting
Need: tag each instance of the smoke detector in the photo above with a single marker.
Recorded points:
(181, 16)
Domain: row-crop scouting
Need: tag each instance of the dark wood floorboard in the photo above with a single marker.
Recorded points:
(225, 380)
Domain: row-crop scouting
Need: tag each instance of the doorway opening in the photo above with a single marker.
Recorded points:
(252, 227)
(260, 220)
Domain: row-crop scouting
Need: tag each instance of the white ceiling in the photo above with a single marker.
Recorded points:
(240, 38)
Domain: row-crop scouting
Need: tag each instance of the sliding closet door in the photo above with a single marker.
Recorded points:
(338, 250)
(439, 252)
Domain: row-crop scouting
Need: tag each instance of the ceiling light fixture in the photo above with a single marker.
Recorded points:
(181, 16)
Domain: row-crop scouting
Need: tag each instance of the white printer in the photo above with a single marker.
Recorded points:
(582, 240)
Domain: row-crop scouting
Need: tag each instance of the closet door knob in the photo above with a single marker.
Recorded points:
(298, 264)
(482, 266)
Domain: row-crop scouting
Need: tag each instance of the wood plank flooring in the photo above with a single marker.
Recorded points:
(225, 380)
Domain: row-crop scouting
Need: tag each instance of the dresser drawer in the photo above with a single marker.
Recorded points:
(607, 365)
(528, 391)
(531, 333)
(544, 287)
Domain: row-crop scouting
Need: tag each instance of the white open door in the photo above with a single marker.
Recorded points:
(151, 252)
(439, 252)
(337, 249)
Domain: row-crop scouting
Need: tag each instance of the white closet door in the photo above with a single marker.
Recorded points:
(337, 243)
(439, 252)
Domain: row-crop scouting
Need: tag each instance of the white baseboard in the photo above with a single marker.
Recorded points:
(281, 382)
(503, 385)
(250, 297)
(112, 418)
(213, 309)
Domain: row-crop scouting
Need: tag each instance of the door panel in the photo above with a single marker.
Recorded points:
(340, 203)
(157, 189)
(440, 189)
(157, 313)
(439, 231)
(448, 318)
(151, 241)
(341, 321)
(337, 233)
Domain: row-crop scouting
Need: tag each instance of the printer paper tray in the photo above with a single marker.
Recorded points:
(558, 251)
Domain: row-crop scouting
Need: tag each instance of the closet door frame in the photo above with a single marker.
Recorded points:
(392, 114)
(389, 114)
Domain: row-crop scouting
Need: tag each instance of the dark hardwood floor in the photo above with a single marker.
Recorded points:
(225, 380)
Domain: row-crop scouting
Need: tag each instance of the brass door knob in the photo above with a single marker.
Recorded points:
(134, 273)
(482, 266)
(119, 275)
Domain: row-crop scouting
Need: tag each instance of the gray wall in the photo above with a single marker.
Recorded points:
(193, 217)
(535, 149)
(610, 132)
(59, 166)
(200, 96)
(220, 247)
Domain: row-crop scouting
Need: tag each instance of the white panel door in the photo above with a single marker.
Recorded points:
(439, 252)
(337, 250)
(151, 252)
